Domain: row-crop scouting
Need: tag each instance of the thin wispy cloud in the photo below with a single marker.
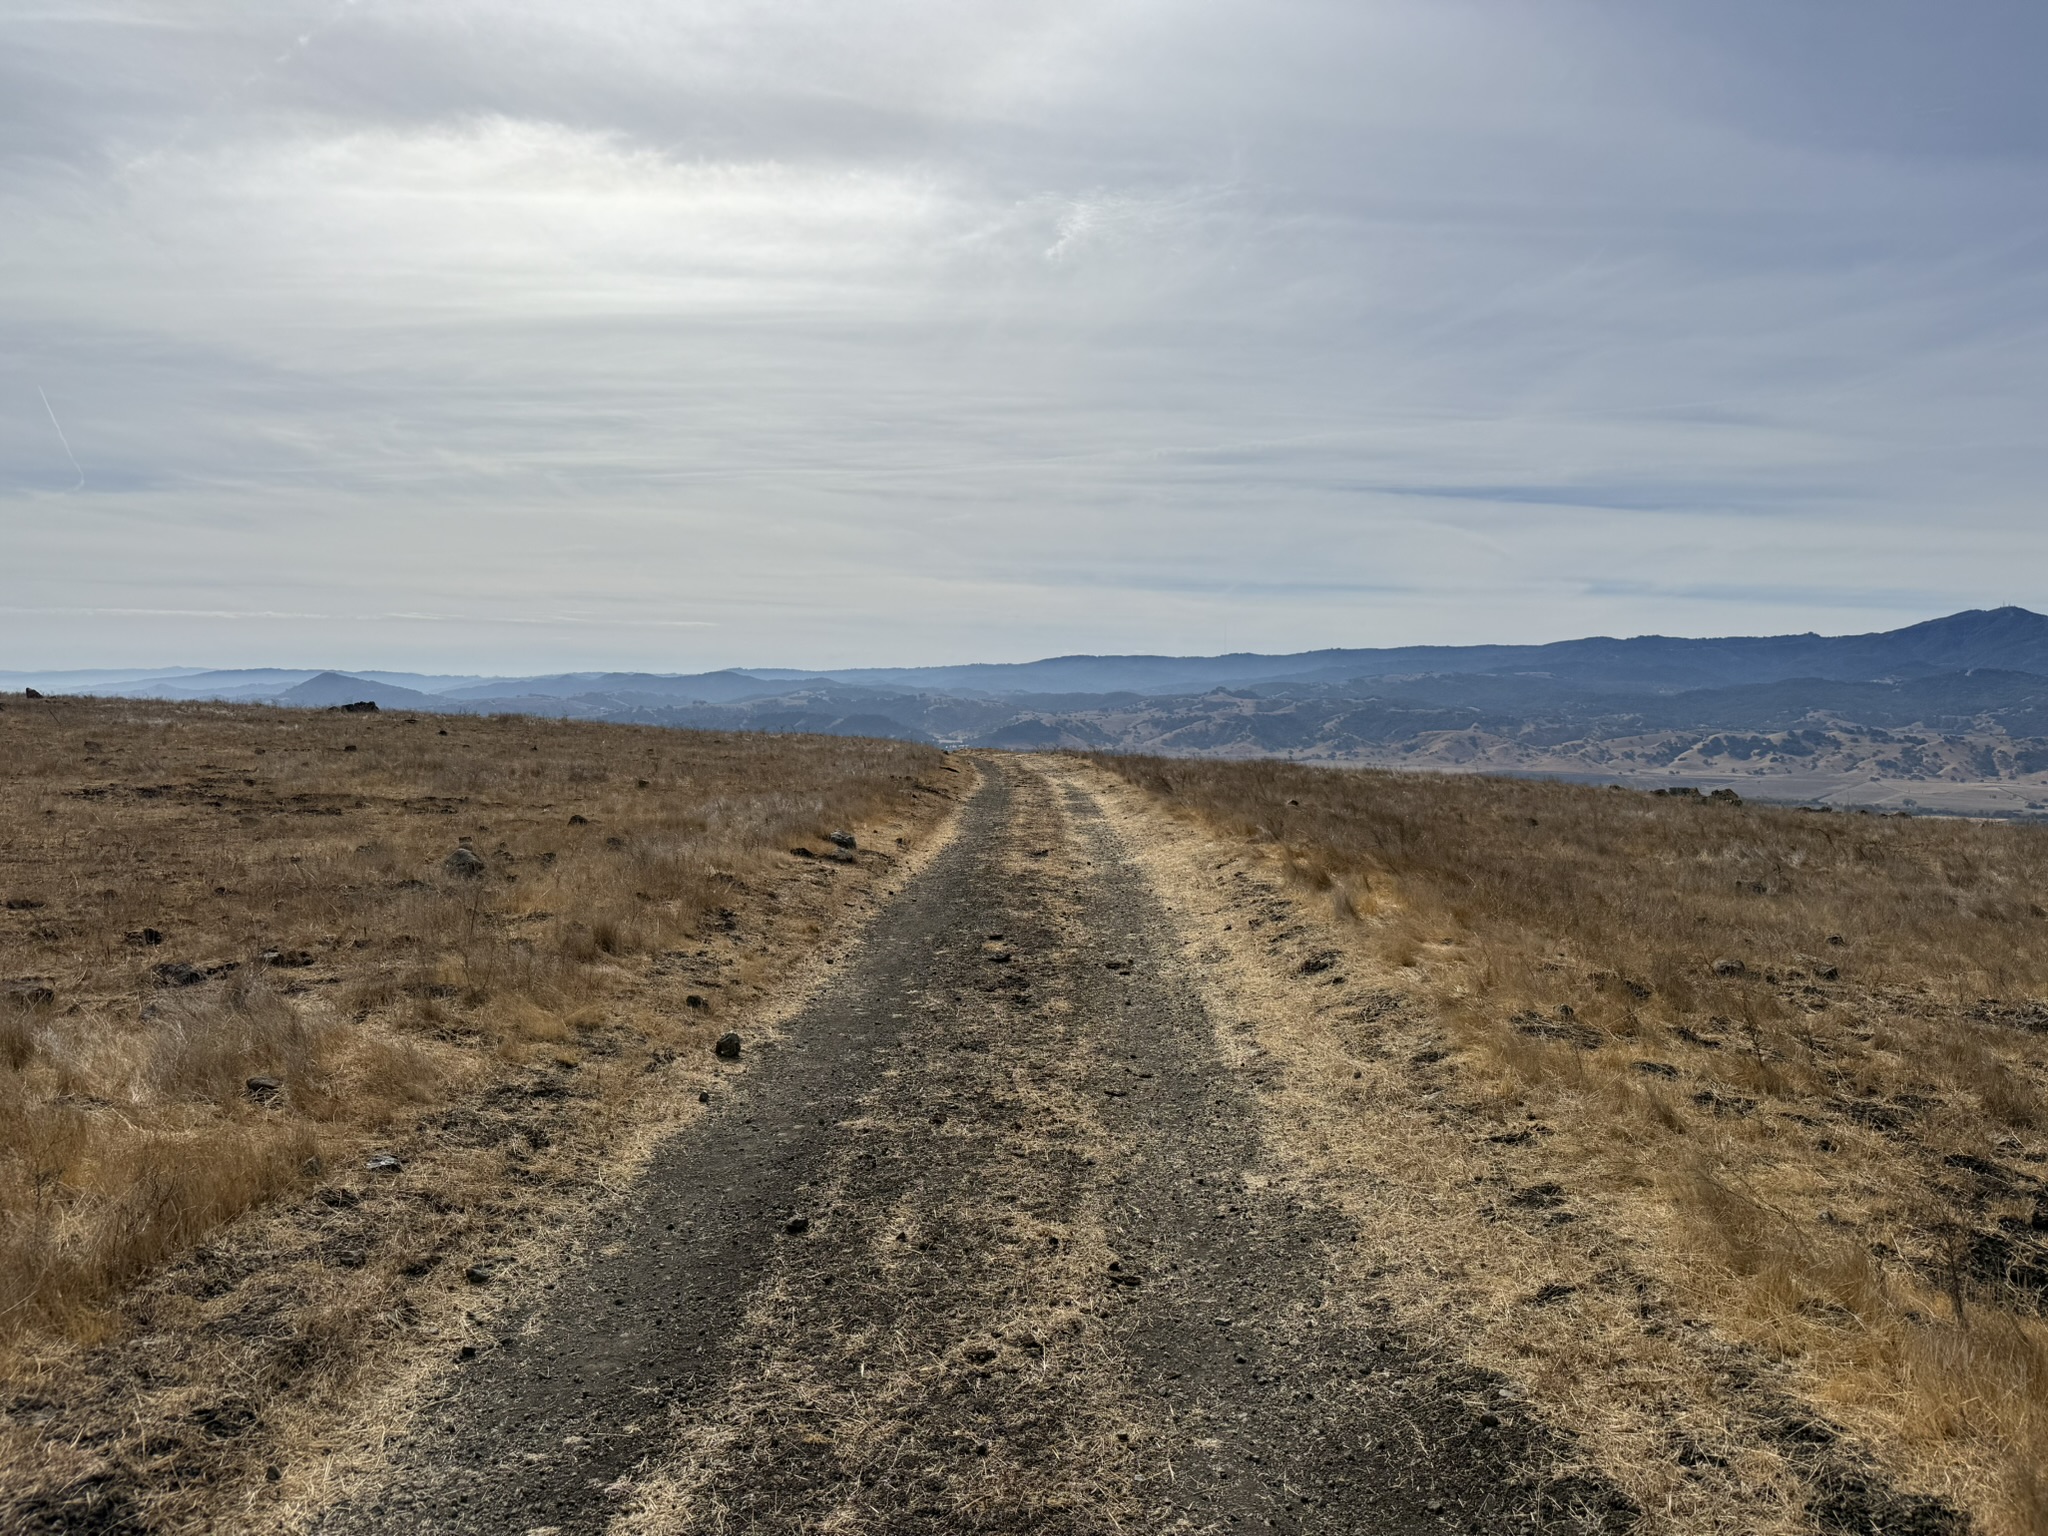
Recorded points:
(915, 332)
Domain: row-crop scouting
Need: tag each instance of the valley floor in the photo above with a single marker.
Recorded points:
(1847, 790)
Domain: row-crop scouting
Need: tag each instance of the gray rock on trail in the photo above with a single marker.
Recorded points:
(728, 1045)
(464, 863)
(843, 840)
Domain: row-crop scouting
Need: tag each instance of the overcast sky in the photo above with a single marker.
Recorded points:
(550, 334)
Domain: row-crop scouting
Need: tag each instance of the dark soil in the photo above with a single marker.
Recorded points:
(983, 1244)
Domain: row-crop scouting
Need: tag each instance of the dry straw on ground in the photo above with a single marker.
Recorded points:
(245, 950)
(1799, 1061)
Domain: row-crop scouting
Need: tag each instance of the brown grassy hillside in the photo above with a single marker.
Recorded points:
(244, 951)
(1798, 1061)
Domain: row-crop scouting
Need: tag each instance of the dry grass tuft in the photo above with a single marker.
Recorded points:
(1798, 1060)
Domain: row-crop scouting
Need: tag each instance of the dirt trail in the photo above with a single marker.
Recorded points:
(986, 1243)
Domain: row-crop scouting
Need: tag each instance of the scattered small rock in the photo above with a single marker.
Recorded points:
(796, 1226)
(264, 1089)
(477, 1274)
(728, 1045)
(694, 1000)
(579, 821)
(30, 994)
(1730, 968)
(842, 840)
(465, 863)
(179, 973)
(145, 937)
(31, 693)
(801, 853)
(383, 1162)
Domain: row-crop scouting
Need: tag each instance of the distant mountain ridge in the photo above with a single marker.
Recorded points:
(1956, 707)
(2009, 639)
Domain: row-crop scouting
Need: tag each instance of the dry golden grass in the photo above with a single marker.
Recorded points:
(235, 962)
(1795, 1060)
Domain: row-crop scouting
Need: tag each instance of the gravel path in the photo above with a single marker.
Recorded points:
(984, 1244)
